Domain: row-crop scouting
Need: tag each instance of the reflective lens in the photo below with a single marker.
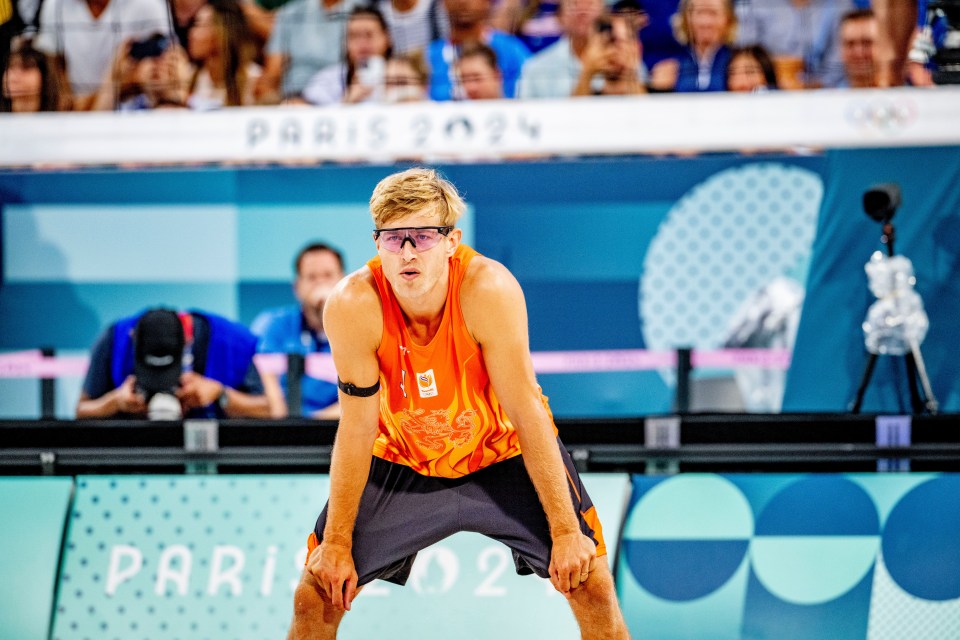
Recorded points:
(421, 238)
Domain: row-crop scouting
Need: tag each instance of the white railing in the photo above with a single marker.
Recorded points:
(468, 131)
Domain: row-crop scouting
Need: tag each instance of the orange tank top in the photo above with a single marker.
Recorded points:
(438, 412)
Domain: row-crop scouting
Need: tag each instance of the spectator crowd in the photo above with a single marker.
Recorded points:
(103, 55)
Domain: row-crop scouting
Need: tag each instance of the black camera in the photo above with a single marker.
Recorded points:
(880, 202)
(150, 47)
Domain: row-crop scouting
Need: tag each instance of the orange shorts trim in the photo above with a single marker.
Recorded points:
(312, 543)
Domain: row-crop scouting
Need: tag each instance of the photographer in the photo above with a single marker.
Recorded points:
(198, 362)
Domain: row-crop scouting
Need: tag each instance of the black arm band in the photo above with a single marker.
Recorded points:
(360, 392)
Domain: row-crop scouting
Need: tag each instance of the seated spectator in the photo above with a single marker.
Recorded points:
(479, 73)
(203, 361)
(751, 70)
(612, 60)
(298, 328)
(360, 76)
(221, 46)
(307, 37)
(858, 34)
(147, 74)
(414, 24)
(553, 73)
(31, 82)
(84, 35)
(406, 78)
(801, 35)
(469, 23)
(707, 28)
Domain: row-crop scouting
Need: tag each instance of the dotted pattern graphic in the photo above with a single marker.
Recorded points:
(895, 614)
(724, 240)
(231, 557)
(194, 557)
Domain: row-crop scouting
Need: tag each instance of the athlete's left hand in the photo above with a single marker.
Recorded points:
(571, 561)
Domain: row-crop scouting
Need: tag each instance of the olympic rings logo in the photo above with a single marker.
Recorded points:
(882, 114)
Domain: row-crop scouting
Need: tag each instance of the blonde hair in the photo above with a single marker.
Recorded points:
(411, 191)
(681, 26)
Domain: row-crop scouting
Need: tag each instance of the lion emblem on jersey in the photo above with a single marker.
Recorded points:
(434, 429)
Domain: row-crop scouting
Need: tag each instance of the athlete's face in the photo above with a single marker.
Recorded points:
(416, 273)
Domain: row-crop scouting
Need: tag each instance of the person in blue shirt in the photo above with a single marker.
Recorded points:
(470, 23)
(298, 328)
(707, 28)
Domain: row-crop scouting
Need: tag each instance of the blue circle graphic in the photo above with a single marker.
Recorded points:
(921, 540)
(682, 570)
(820, 505)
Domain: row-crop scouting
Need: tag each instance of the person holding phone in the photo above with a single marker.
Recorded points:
(556, 71)
(83, 36)
(149, 73)
(611, 62)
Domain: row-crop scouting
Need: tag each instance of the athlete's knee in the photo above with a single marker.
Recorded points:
(596, 600)
(597, 593)
(314, 616)
(308, 598)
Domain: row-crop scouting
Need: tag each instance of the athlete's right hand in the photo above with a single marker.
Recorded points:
(332, 566)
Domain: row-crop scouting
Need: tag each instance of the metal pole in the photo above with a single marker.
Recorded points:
(296, 366)
(684, 369)
(48, 391)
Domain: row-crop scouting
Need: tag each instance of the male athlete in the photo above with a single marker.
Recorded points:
(430, 344)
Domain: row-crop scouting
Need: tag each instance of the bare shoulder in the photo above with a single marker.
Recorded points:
(491, 299)
(353, 308)
(486, 278)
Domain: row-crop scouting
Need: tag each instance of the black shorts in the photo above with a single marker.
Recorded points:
(402, 512)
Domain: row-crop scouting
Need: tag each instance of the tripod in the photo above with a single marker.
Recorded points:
(916, 371)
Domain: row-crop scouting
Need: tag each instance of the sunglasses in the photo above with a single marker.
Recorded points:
(420, 238)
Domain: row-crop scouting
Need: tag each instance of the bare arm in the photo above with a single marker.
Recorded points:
(663, 76)
(259, 20)
(267, 87)
(123, 399)
(897, 20)
(593, 61)
(274, 392)
(495, 311)
(199, 391)
(353, 322)
(331, 412)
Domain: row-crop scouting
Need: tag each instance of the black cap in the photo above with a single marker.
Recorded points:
(158, 351)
